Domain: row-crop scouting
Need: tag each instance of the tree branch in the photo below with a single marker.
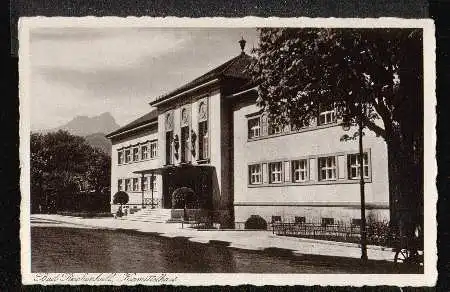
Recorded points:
(374, 127)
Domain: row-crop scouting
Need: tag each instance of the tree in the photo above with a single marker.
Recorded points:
(64, 164)
(379, 71)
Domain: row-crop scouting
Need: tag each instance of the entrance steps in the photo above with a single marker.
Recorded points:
(149, 215)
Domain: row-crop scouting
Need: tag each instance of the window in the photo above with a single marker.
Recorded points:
(169, 147)
(275, 172)
(354, 166)
(327, 168)
(327, 221)
(300, 170)
(254, 127)
(184, 144)
(276, 219)
(135, 184)
(135, 154)
(203, 140)
(127, 155)
(144, 152)
(255, 174)
(127, 185)
(300, 220)
(274, 129)
(120, 157)
(120, 185)
(153, 149)
(356, 222)
(327, 115)
(145, 183)
(153, 182)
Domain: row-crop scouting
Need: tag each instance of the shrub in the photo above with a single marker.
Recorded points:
(183, 196)
(256, 222)
(120, 198)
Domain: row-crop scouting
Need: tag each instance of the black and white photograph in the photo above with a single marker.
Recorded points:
(163, 151)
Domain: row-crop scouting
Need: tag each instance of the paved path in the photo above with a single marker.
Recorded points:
(251, 240)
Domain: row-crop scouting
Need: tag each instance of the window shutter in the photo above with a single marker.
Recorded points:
(264, 126)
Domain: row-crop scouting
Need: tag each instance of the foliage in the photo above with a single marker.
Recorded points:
(183, 197)
(372, 74)
(62, 163)
(256, 222)
(120, 198)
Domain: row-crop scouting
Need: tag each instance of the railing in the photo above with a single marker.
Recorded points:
(336, 232)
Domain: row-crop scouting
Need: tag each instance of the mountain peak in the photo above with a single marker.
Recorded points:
(83, 125)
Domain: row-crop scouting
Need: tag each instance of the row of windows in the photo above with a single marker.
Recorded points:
(136, 184)
(258, 126)
(326, 168)
(141, 152)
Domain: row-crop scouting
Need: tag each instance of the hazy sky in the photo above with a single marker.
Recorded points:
(80, 71)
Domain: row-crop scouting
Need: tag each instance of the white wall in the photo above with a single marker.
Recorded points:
(309, 144)
(126, 170)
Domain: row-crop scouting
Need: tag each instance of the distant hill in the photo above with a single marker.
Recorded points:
(84, 125)
(93, 129)
(98, 140)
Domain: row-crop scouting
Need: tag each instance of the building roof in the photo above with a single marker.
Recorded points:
(234, 68)
(145, 119)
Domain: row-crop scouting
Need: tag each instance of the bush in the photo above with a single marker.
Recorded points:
(183, 196)
(120, 198)
(256, 222)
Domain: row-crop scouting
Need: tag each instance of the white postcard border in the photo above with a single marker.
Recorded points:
(430, 166)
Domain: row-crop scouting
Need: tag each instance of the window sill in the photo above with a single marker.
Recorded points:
(142, 160)
(308, 183)
(302, 130)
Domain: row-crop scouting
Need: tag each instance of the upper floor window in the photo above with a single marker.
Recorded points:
(300, 170)
(136, 154)
(203, 140)
(153, 149)
(169, 147)
(144, 152)
(327, 115)
(127, 155)
(255, 174)
(327, 168)
(169, 137)
(275, 172)
(354, 166)
(120, 157)
(274, 129)
(254, 127)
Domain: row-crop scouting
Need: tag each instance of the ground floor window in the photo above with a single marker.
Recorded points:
(354, 166)
(127, 185)
(275, 172)
(276, 219)
(300, 219)
(327, 221)
(255, 174)
(327, 168)
(135, 184)
(145, 183)
(300, 170)
(120, 185)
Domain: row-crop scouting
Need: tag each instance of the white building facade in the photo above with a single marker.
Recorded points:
(210, 137)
